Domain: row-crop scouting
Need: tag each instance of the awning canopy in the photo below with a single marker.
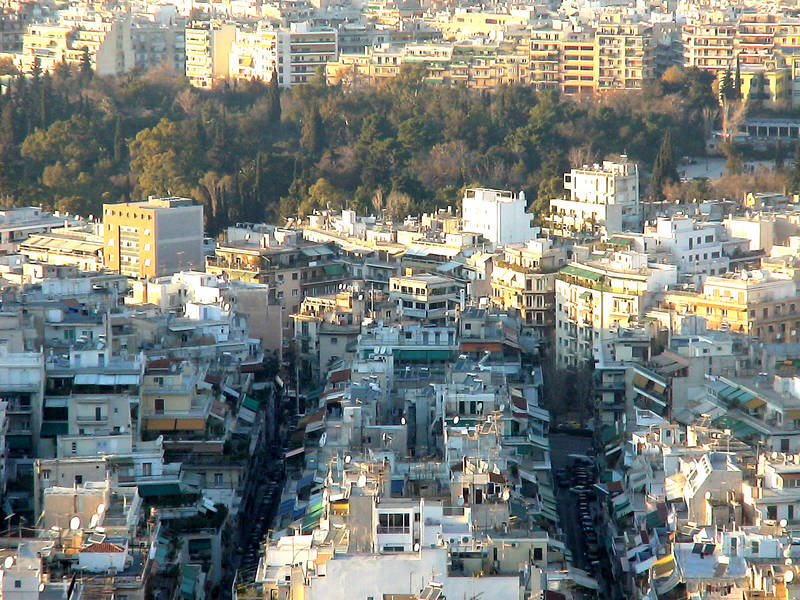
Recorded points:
(754, 403)
(154, 490)
(52, 429)
(101, 379)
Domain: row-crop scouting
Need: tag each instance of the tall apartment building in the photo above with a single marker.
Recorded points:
(709, 46)
(500, 216)
(601, 197)
(592, 297)
(158, 44)
(524, 280)
(107, 41)
(625, 55)
(544, 47)
(297, 53)
(578, 67)
(208, 47)
(755, 37)
(158, 237)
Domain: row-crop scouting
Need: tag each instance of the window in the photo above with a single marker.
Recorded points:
(74, 447)
(217, 479)
(159, 406)
(394, 523)
(754, 547)
(334, 341)
(17, 583)
(294, 292)
(147, 469)
(78, 479)
(45, 473)
(772, 513)
(294, 276)
(98, 413)
(537, 554)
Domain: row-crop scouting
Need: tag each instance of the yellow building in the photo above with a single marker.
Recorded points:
(524, 280)
(107, 41)
(170, 399)
(208, 48)
(158, 237)
(544, 46)
(465, 24)
(708, 46)
(578, 67)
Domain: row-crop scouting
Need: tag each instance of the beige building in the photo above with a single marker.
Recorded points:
(107, 41)
(625, 55)
(708, 46)
(208, 48)
(157, 237)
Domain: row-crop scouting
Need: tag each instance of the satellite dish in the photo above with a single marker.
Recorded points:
(480, 407)
(402, 420)
(101, 508)
(456, 420)
(93, 521)
(416, 547)
(362, 480)
(41, 587)
(322, 439)
(502, 407)
(9, 562)
(783, 522)
(506, 495)
(788, 577)
(75, 523)
(347, 459)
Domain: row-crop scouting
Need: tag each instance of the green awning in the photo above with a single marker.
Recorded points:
(314, 394)
(422, 355)
(154, 490)
(334, 269)
(620, 241)
(578, 272)
(741, 430)
(54, 428)
(250, 403)
(653, 519)
(189, 577)
(19, 442)
(199, 544)
(585, 296)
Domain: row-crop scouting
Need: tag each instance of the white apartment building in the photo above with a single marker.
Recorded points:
(16, 224)
(296, 53)
(603, 199)
(592, 297)
(696, 248)
(499, 215)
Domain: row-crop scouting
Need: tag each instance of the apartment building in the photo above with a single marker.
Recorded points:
(601, 198)
(544, 53)
(208, 47)
(578, 68)
(523, 279)
(592, 297)
(625, 55)
(157, 237)
(709, 46)
(758, 303)
(16, 224)
(296, 53)
(500, 216)
(107, 41)
(424, 297)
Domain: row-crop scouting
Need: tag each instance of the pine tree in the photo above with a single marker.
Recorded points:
(665, 169)
(86, 64)
(119, 141)
(312, 135)
(274, 99)
(737, 80)
(726, 90)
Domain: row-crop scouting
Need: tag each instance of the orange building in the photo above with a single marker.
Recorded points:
(149, 239)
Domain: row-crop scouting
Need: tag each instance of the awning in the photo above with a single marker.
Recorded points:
(422, 355)
(52, 429)
(101, 379)
(286, 507)
(296, 452)
(481, 347)
(250, 403)
(664, 566)
(579, 272)
(754, 403)
(199, 544)
(397, 487)
(305, 481)
(792, 414)
(154, 490)
(654, 519)
(19, 442)
(334, 269)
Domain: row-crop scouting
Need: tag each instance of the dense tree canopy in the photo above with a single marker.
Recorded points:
(248, 151)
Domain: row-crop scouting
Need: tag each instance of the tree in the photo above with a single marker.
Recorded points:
(794, 175)
(274, 96)
(86, 64)
(312, 136)
(119, 141)
(665, 169)
(726, 88)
